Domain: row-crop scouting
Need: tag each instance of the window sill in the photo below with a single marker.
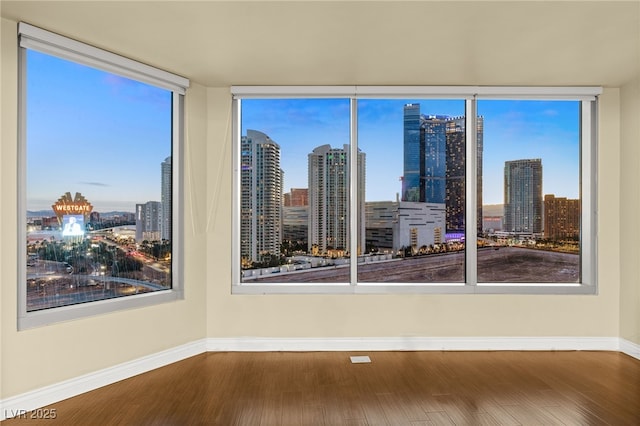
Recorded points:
(385, 288)
(83, 310)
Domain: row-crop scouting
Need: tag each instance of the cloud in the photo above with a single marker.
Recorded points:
(94, 183)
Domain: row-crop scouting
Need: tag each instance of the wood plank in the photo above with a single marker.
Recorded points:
(396, 388)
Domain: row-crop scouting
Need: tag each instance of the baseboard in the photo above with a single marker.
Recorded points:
(630, 348)
(260, 344)
(22, 404)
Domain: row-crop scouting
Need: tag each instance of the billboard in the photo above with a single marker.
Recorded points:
(72, 225)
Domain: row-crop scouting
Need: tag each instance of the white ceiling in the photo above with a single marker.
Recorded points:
(363, 43)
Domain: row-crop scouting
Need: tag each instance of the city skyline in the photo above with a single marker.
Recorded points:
(513, 129)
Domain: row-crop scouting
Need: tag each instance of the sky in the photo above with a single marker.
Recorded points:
(93, 132)
(513, 130)
(105, 136)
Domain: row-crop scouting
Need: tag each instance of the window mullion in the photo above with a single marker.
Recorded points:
(588, 194)
(471, 201)
(236, 258)
(354, 204)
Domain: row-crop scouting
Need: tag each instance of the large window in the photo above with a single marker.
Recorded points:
(285, 144)
(531, 201)
(100, 153)
(380, 189)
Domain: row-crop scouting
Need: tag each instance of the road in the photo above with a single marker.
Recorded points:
(505, 265)
(49, 284)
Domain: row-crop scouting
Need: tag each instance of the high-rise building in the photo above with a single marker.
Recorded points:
(261, 197)
(435, 163)
(523, 196)
(433, 154)
(412, 184)
(424, 175)
(295, 216)
(295, 224)
(329, 208)
(561, 217)
(297, 197)
(456, 171)
(165, 198)
(148, 221)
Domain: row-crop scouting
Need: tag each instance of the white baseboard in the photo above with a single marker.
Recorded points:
(28, 401)
(630, 348)
(259, 344)
(22, 404)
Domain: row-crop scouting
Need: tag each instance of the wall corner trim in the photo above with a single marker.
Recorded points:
(13, 406)
(630, 348)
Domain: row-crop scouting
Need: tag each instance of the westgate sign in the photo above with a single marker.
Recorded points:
(72, 206)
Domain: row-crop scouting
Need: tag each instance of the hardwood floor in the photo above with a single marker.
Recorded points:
(396, 388)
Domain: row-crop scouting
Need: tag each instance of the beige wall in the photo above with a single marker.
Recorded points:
(629, 207)
(47, 355)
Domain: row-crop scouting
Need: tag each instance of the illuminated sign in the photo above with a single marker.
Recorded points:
(72, 225)
(72, 213)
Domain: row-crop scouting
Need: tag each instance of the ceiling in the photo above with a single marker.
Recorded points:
(218, 43)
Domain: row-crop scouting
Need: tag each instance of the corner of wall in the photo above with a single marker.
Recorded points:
(629, 206)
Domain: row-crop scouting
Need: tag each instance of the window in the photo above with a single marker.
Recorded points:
(415, 176)
(100, 201)
(372, 189)
(276, 203)
(531, 151)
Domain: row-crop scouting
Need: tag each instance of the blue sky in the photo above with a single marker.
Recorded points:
(105, 136)
(512, 130)
(95, 133)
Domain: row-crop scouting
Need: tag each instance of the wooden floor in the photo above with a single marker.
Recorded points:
(396, 388)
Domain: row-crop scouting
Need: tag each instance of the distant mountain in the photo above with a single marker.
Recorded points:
(40, 213)
(50, 213)
(113, 213)
(493, 210)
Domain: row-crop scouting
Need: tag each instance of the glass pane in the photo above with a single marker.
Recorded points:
(415, 182)
(531, 192)
(294, 184)
(98, 184)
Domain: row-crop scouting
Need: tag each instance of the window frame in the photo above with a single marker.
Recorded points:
(588, 97)
(37, 39)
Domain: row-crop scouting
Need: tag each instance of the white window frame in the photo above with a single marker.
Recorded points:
(588, 97)
(37, 39)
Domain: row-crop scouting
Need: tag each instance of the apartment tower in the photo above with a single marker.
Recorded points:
(523, 196)
(165, 198)
(329, 208)
(561, 218)
(261, 197)
(149, 221)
